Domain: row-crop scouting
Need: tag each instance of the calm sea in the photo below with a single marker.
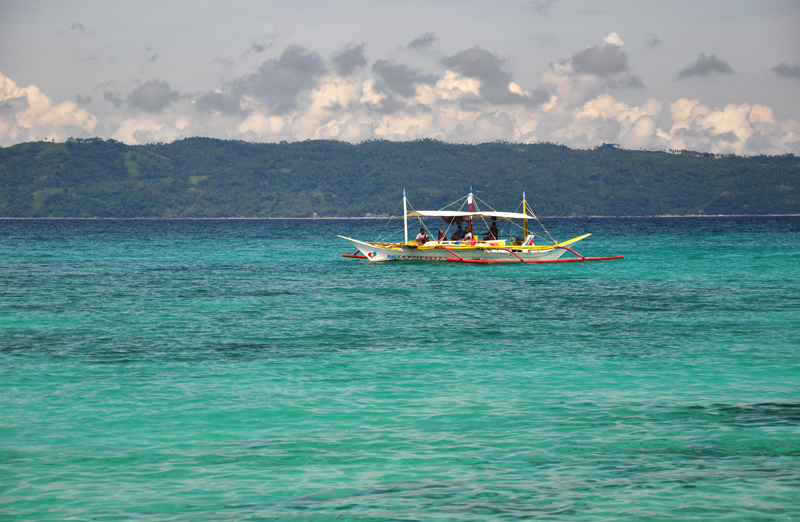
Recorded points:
(243, 370)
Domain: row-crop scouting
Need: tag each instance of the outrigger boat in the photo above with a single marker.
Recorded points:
(505, 247)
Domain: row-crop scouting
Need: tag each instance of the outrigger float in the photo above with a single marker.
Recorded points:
(507, 246)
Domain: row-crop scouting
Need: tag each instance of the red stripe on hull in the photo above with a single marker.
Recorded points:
(487, 261)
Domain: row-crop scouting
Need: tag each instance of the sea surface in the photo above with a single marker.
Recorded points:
(191, 370)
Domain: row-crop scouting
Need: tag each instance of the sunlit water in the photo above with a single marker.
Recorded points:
(232, 370)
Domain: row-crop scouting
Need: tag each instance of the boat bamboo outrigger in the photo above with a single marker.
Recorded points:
(502, 246)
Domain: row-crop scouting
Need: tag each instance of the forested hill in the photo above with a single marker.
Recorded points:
(202, 177)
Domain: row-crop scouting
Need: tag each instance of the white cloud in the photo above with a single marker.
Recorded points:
(581, 111)
(602, 120)
(27, 114)
(370, 94)
(262, 126)
(454, 86)
(732, 129)
(404, 126)
(614, 39)
(761, 114)
(335, 91)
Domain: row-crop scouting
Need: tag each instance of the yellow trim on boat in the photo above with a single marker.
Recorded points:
(465, 245)
(565, 243)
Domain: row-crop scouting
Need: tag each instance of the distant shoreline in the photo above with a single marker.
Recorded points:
(375, 218)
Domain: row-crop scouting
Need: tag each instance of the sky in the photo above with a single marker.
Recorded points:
(719, 76)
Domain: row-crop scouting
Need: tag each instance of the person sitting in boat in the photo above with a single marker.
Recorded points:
(458, 235)
(422, 237)
(442, 236)
(493, 232)
(467, 234)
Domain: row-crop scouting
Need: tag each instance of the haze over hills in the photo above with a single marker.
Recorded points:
(203, 177)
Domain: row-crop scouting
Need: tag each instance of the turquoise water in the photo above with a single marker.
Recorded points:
(243, 370)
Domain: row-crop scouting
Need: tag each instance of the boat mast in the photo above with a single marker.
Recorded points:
(524, 211)
(405, 215)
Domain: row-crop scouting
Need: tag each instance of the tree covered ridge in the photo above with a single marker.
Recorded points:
(204, 177)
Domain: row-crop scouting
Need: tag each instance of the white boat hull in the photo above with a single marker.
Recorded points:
(456, 251)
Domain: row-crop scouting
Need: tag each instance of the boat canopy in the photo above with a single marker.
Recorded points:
(450, 213)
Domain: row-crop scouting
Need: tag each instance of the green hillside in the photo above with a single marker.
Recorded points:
(202, 177)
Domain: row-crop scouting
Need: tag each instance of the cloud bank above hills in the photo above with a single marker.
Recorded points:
(599, 92)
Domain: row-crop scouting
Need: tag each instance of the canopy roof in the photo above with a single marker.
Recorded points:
(450, 213)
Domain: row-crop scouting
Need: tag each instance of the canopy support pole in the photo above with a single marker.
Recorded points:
(471, 222)
(405, 216)
(524, 211)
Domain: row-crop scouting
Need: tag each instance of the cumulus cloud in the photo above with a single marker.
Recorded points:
(349, 60)
(594, 69)
(497, 125)
(472, 97)
(422, 42)
(786, 70)
(704, 66)
(13, 105)
(26, 114)
(590, 72)
(604, 119)
(278, 82)
(496, 85)
(219, 101)
(732, 129)
(737, 129)
(152, 96)
(400, 78)
(652, 41)
(602, 60)
(387, 105)
(614, 39)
